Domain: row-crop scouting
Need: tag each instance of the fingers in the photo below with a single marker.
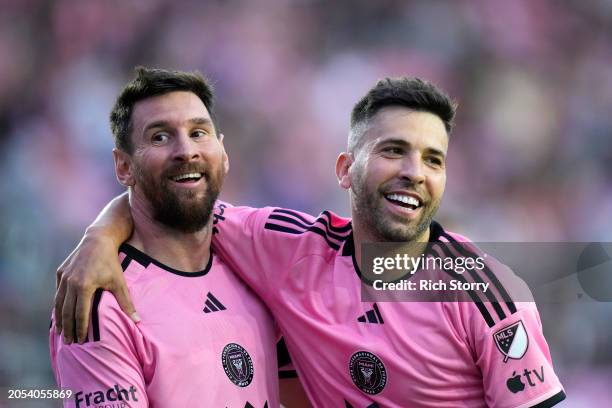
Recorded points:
(68, 314)
(122, 295)
(60, 295)
(58, 276)
(82, 309)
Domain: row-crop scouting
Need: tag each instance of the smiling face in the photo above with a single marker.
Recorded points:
(397, 174)
(178, 163)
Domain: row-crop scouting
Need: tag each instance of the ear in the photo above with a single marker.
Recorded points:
(123, 168)
(343, 166)
(225, 157)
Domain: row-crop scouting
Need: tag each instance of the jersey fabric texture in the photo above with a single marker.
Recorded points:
(204, 340)
(350, 353)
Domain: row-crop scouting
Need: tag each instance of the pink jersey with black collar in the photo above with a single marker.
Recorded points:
(204, 340)
(350, 353)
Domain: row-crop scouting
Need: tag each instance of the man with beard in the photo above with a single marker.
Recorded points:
(308, 270)
(204, 338)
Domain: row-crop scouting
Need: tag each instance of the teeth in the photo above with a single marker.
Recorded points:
(186, 176)
(404, 199)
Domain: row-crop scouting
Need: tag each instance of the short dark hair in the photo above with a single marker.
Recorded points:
(409, 92)
(151, 82)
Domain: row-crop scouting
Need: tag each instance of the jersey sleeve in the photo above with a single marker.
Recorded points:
(505, 334)
(511, 351)
(261, 244)
(107, 368)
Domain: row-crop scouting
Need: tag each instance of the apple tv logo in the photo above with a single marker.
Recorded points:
(515, 384)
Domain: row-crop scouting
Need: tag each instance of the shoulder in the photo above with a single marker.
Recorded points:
(326, 231)
(323, 232)
(108, 321)
(109, 332)
(505, 294)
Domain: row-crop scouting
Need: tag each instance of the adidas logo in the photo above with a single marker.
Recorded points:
(212, 304)
(372, 316)
(249, 405)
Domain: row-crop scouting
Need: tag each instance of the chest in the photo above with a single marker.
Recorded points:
(190, 317)
(372, 351)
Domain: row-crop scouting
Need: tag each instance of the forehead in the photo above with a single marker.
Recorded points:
(417, 128)
(173, 107)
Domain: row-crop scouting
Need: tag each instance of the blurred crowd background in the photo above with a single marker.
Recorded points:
(530, 158)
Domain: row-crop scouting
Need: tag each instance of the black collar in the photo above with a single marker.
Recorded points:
(348, 249)
(145, 260)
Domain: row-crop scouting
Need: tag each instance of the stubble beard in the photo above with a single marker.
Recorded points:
(368, 208)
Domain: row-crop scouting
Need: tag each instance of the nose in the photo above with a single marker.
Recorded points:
(185, 148)
(412, 168)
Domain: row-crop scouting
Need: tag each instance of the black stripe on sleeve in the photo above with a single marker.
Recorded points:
(299, 224)
(95, 319)
(477, 301)
(473, 295)
(345, 228)
(292, 213)
(325, 218)
(500, 288)
(489, 295)
(329, 227)
(554, 400)
(288, 230)
(475, 276)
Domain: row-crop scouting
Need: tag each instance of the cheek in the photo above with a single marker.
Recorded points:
(212, 152)
(381, 170)
(152, 163)
(357, 173)
(377, 169)
(437, 184)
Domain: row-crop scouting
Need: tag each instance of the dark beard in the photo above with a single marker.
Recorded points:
(183, 211)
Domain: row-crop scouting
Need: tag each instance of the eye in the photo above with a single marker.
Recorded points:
(393, 151)
(434, 160)
(198, 133)
(159, 138)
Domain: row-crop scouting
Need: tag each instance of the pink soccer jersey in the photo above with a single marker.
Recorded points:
(204, 340)
(350, 353)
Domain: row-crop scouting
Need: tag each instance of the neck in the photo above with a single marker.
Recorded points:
(364, 235)
(188, 252)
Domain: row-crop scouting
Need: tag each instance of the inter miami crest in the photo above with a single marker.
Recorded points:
(512, 341)
(237, 364)
(368, 372)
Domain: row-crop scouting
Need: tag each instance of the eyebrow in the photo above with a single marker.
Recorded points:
(165, 123)
(403, 143)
